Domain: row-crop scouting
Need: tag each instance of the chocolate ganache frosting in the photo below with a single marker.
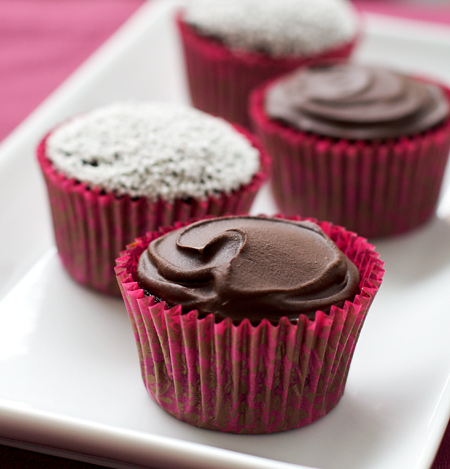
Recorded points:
(355, 101)
(248, 267)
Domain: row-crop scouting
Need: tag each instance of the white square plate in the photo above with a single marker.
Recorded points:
(69, 373)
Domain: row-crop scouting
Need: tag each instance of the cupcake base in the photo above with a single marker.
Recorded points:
(245, 378)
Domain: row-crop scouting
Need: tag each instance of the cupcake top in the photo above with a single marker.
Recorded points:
(356, 101)
(279, 28)
(154, 150)
(248, 267)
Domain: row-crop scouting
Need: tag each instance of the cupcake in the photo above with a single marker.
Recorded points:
(362, 146)
(119, 171)
(231, 47)
(248, 324)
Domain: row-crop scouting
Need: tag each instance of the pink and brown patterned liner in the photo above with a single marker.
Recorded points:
(377, 188)
(245, 378)
(220, 81)
(92, 227)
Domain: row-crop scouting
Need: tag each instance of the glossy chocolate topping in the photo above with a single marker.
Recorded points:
(248, 267)
(355, 101)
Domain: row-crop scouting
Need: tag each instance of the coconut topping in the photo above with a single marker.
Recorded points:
(156, 150)
(276, 27)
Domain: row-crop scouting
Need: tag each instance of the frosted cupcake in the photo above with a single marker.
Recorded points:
(248, 324)
(361, 146)
(119, 171)
(231, 47)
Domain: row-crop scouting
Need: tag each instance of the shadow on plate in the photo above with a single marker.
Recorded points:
(417, 255)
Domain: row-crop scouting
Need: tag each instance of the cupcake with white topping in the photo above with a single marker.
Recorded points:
(119, 171)
(231, 47)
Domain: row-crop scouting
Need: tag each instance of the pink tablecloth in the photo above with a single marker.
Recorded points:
(43, 41)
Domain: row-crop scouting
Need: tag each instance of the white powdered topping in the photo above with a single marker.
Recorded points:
(277, 27)
(153, 150)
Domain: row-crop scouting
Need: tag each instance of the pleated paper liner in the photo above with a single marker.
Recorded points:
(377, 189)
(245, 378)
(220, 81)
(92, 227)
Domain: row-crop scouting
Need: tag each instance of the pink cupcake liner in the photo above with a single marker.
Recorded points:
(220, 81)
(376, 188)
(245, 378)
(92, 227)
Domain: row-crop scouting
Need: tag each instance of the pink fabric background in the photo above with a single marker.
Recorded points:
(43, 41)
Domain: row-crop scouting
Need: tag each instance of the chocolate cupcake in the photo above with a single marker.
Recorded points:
(119, 171)
(362, 146)
(231, 47)
(248, 324)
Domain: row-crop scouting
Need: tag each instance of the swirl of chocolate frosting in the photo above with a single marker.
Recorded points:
(355, 101)
(248, 267)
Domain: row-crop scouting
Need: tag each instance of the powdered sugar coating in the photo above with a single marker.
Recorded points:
(277, 27)
(156, 150)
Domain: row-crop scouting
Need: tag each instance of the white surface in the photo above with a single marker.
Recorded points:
(69, 375)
